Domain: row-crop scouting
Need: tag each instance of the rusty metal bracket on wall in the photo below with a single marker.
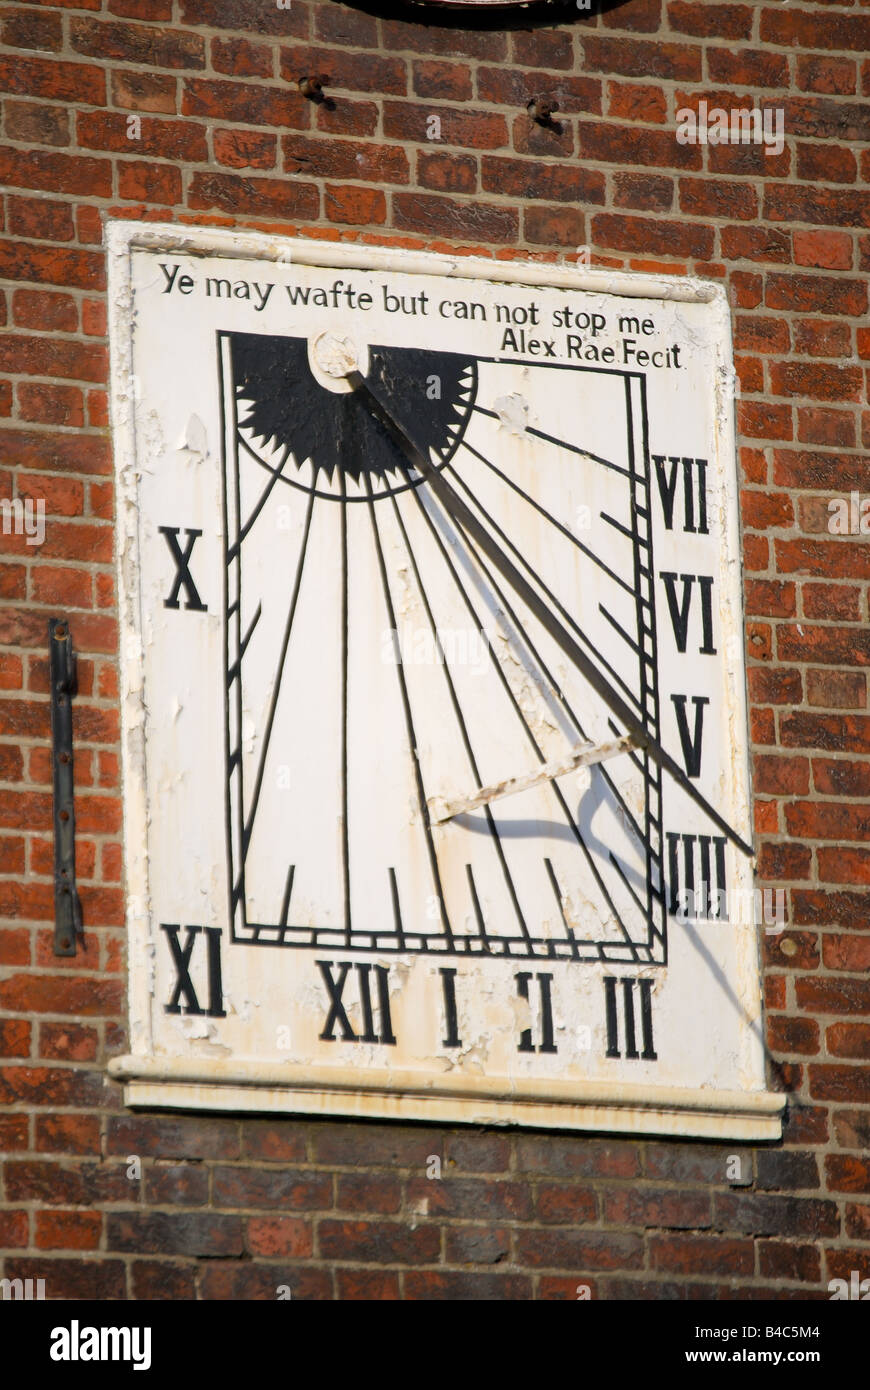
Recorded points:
(62, 669)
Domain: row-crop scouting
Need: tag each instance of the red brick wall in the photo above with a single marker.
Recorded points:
(341, 1210)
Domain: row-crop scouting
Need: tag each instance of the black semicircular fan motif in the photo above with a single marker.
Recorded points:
(430, 394)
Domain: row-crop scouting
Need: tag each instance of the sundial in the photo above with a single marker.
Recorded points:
(436, 790)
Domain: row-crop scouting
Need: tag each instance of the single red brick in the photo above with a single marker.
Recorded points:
(250, 103)
(14, 1227)
(840, 1083)
(241, 58)
(140, 9)
(759, 334)
(553, 226)
(762, 510)
(832, 601)
(447, 172)
(787, 1260)
(257, 196)
(68, 1134)
(68, 1042)
(354, 206)
(814, 30)
(37, 124)
(762, 726)
(818, 994)
(337, 24)
(427, 213)
(347, 117)
(755, 551)
(784, 861)
(546, 48)
(637, 101)
(110, 130)
(354, 72)
(827, 821)
(759, 420)
(755, 244)
(637, 58)
(821, 425)
(567, 1204)
(73, 1279)
(50, 405)
(460, 42)
(71, 588)
(820, 381)
(149, 183)
(846, 952)
(821, 161)
(44, 309)
(245, 149)
(143, 91)
(819, 293)
(245, 15)
(624, 144)
(848, 1040)
(846, 1173)
(52, 79)
(56, 173)
(90, 226)
(697, 1254)
(793, 1035)
(40, 218)
(32, 29)
(833, 76)
(649, 192)
(379, 1242)
(345, 159)
(641, 234)
(94, 317)
(713, 197)
(62, 496)
(368, 1285)
(152, 46)
(444, 81)
(703, 20)
(14, 1037)
(279, 1236)
(858, 1221)
(827, 250)
(525, 179)
(68, 1230)
(747, 67)
(444, 125)
(835, 646)
(766, 817)
(781, 776)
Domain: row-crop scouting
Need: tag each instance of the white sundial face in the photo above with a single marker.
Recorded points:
(435, 775)
(431, 677)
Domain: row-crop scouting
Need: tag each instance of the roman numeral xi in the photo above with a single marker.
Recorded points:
(181, 959)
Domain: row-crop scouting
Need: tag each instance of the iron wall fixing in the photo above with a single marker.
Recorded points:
(62, 669)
